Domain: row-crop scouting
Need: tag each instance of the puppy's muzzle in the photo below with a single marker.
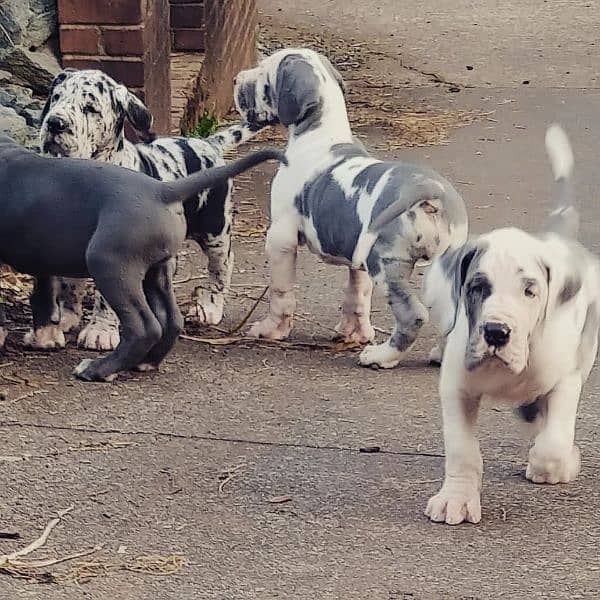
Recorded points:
(496, 334)
(56, 125)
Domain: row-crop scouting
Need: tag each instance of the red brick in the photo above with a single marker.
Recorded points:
(184, 16)
(80, 40)
(201, 2)
(123, 42)
(188, 39)
(126, 12)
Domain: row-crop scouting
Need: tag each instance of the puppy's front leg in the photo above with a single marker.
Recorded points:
(355, 325)
(460, 497)
(102, 332)
(70, 297)
(554, 458)
(46, 333)
(281, 250)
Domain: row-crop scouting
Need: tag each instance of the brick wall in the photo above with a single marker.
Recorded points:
(230, 41)
(128, 39)
(187, 25)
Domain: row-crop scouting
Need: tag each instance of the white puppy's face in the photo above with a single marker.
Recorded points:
(505, 295)
(288, 87)
(85, 114)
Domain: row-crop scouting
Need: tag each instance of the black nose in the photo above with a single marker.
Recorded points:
(56, 125)
(496, 334)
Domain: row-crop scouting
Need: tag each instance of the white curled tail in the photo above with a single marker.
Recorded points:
(564, 219)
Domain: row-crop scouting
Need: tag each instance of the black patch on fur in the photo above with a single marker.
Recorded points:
(570, 289)
(237, 136)
(191, 159)
(148, 165)
(100, 87)
(369, 176)
(529, 412)
(478, 289)
(210, 219)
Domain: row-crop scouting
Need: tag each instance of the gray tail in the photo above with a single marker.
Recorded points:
(564, 219)
(410, 195)
(182, 189)
(227, 139)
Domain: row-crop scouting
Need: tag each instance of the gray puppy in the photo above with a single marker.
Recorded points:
(81, 218)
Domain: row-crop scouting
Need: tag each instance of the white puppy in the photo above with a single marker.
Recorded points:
(377, 218)
(521, 312)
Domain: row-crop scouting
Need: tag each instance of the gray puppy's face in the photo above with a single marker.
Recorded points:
(85, 114)
(505, 295)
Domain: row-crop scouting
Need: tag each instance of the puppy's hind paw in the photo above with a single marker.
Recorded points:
(380, 356)
(207, 311)
(545, 466)
(86, 371)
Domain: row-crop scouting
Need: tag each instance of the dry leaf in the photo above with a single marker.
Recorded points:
(280, 499)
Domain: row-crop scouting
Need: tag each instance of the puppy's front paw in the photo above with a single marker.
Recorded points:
(207, 309)
(352, 331)
(69, 319)
(547, 466)
(380, 356)
(455, 505)
(49, 337)
(99, 336)
(435, 356)
(271, 329)
(86, 370)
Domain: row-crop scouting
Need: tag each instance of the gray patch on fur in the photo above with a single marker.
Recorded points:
(570, 288)
(299, 100)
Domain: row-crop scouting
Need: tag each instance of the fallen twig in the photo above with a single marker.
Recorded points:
(250, 312)
(228, 475)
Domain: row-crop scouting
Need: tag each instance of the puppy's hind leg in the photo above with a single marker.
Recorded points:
(158, 287)
(392, 274)
(281, 250)
(70, 296)
(46, 333)
(355, 325)
(140, 329)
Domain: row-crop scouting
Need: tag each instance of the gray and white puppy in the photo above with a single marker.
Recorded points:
(377, 218)
(85, 117)
(81, 218)
(521, 312)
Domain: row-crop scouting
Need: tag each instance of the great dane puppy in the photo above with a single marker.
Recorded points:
(377, 218)
(522, 313)
(84, 117)
(81, 218)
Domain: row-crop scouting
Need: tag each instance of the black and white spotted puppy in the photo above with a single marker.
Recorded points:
(85, 117)
(375, 217)
(522, 313)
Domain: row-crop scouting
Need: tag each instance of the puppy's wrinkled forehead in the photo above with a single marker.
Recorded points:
(91, 86)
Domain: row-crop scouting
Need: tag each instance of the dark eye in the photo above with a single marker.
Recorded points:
(90, 110)
(530, 291)
(55, 97)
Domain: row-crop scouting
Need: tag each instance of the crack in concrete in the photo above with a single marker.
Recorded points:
(208, 438)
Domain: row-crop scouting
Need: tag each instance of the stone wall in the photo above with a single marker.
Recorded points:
(27, 23)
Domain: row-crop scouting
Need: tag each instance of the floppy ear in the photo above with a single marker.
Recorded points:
(137, 114)
(563, 285)
(296, 90)
(333, 72)
(443, 284)
(64, 74)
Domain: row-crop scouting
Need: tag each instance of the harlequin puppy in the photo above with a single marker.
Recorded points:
(84, 117)
(81, 218)
(521, 312)
(377, 218)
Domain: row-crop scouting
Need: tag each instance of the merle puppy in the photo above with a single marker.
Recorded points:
(84, 117)
(79, 218)
(378, 218)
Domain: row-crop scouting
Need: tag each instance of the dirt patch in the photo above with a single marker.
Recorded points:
(372, 101)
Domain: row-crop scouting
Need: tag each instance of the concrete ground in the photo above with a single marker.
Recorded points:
(141, 460)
